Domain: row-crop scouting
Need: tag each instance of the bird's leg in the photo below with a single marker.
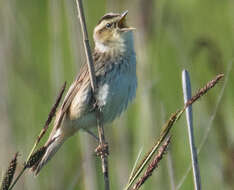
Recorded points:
(101, 149)
(91, 133)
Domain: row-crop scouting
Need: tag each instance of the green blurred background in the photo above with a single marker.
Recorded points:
(41, 47)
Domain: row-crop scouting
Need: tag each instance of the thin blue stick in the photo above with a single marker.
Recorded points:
(187, 95)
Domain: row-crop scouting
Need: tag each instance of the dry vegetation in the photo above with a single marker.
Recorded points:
(41, 47)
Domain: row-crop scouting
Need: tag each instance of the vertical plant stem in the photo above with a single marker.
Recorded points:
(103, 155)
(187, 96)
(102, 143)
(88, 52)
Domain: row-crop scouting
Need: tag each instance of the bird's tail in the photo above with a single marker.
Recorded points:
(53, 144)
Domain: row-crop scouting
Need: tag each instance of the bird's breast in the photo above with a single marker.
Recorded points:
(117, 88)
(116, 83)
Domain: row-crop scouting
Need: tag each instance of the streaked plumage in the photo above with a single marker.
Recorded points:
(115, 69)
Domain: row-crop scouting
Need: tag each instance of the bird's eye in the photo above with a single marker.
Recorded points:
(108, 25)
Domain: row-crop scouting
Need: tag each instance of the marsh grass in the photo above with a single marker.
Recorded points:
(41, 47)
(167, 127)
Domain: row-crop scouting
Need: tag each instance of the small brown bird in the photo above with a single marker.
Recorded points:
(115, 69)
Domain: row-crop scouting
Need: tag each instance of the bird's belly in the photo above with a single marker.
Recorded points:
(115, 94)
(113, 97)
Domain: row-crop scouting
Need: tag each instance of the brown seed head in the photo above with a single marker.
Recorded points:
(8, 177)
(36, 157)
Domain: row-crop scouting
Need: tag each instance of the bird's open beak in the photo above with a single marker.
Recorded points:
(124, 14)
(122, 23)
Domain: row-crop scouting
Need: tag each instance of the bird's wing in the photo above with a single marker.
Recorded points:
(81, 81)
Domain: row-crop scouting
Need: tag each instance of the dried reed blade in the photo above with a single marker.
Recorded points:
(49, 119)
(34, 158)
(52, 113)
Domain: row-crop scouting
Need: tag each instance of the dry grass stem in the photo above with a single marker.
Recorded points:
(32, 161)
(153, 165)
(49, 119)
(89, 58)
(87, 48)
(167, 127)
(33, 158)
(209, 126)
(9, 175)
(148, 156)
(204, 90)
(52, 113)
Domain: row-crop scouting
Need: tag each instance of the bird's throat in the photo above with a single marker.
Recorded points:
(117, 47)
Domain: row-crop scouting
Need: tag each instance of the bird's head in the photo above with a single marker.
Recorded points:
(112, 32)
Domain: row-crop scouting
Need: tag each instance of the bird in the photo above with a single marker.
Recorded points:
(114, 60)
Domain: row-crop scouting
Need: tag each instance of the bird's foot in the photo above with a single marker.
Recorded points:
(102, 150)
